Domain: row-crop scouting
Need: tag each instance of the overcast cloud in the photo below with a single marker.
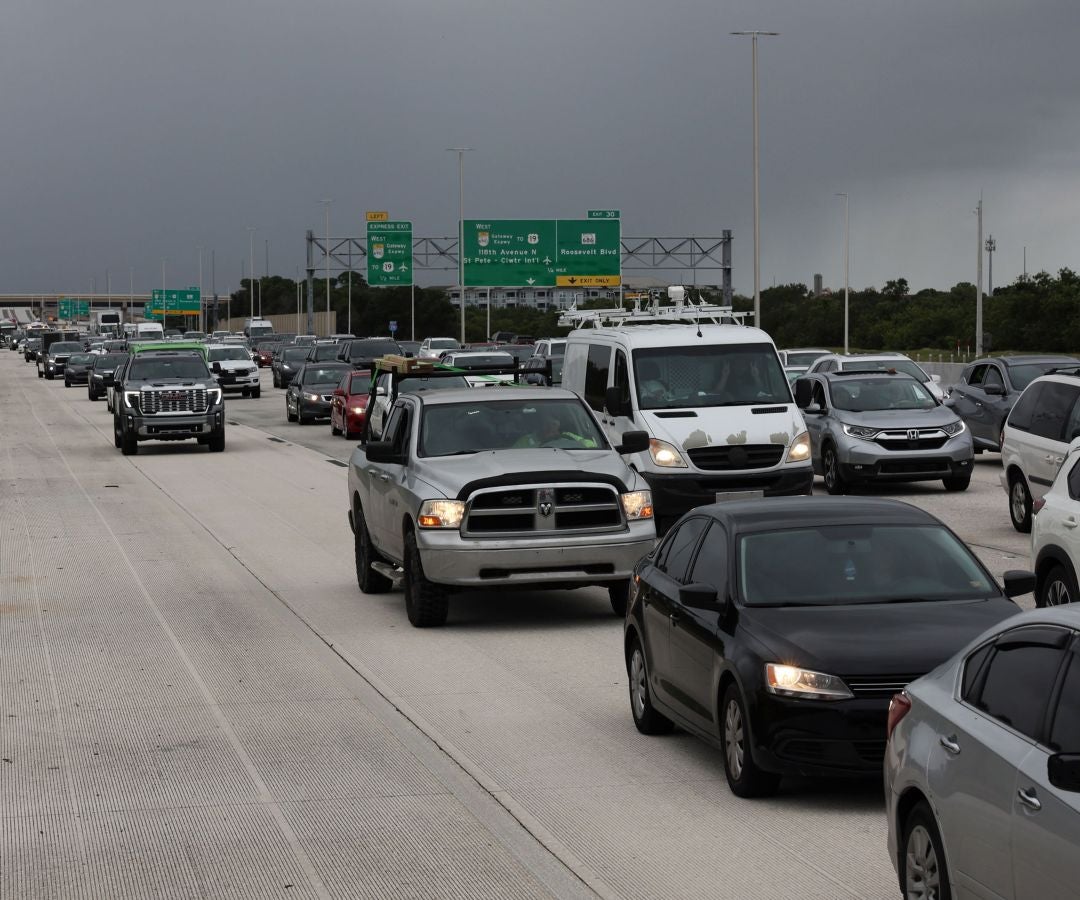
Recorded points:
(135, 129)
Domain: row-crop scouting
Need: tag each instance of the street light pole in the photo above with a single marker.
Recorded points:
(846, 268)
(327, 207)
(251, 229)
(991, 246)
(978, 285)
(757, 203)
(202, 321)
(266, 274)
(461, 151)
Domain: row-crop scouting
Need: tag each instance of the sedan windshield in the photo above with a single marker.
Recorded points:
(217, 354)
(80, 359)
(290, 354)
(866, 394)
(149, 368)
(109, 360)
(323, 375)
(457, 428)
(709, 375)
(1022, 376)
(835, 565)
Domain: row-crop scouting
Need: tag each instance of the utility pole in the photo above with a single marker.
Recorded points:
(991, 246)
(326, 204)
(461, 151)
(266, 274)
(847, 270)
(978, 285)
(202, 302)
(251, 276)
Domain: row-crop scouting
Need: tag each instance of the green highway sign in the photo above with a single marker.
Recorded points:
(389, 253)
(68, 308)
(542, 253)
(603, 214)
(186, 302)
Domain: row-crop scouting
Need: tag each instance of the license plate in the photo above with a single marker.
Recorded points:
(724, 496)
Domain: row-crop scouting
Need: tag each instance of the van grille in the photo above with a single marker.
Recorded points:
(736, 456)
(532, 509)
(172, 401)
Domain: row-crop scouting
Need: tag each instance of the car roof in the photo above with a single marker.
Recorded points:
(778, 513)
(1025, 360)
(673, 335)
(491, 394)
(1069, 616)
(877, 375)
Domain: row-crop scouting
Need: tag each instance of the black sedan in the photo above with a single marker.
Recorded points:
(989, 388)
(101, 373)
(778, 629)
(311, 392)
(77, 368)
(287, 362)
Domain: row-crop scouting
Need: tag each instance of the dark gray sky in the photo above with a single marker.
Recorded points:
(137, 129)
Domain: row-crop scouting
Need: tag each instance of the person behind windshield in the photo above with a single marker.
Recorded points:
(549, 432)
(651, 387)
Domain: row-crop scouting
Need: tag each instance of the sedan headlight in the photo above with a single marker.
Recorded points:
(637, 505)
(441, 513)
(862, 432)
(130, 399)
(665, 455)
(800, 448)
(313, 397)
(213, 395)
(791, 681)
(953, 428)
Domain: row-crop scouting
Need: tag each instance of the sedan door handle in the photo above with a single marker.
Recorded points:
(949, 743)
(1029, 799)
(673, 618)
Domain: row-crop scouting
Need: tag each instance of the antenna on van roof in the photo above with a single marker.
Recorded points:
(680, 311)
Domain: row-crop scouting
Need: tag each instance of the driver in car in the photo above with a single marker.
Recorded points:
(549, 433)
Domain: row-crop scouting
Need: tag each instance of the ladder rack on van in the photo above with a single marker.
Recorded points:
(683, 310)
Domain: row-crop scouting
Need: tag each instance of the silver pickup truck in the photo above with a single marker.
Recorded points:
(495, 488)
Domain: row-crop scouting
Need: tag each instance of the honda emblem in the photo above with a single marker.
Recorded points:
(913, 434)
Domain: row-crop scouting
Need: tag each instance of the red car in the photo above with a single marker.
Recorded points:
(263, 356)
(349, 404)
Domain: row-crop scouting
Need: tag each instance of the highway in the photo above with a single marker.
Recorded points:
(197, 701)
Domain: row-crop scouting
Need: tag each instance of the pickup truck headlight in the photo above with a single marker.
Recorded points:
(637, 505)
(213, 395)
(800, 448)
(665, 455)
(953, 428)
(791, 681)
(441, 513)
(130, 399)
(860, 431)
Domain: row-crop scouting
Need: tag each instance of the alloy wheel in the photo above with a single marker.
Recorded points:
(638, 687)
(1019, 501)
(1057, 594)
(733, 739)
(922, 872)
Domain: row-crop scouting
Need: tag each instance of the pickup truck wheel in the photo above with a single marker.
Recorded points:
(217, 441)
(129, 446)
(369, 581)
(619, 594)
(425, 603)
(256, 394)
(116, 432)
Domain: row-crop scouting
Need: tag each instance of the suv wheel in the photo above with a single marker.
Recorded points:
(923, 872)
(425, 603)
(256, 393)
(369, 581)
(646, 719)
(1020, 504)
(956, 482)
(744, 776)
(1058, 588)
(834, 478)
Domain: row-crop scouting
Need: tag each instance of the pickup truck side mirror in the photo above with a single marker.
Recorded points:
(613, 401)
(380, 391)
(814, 410)
(633, 442)
(216, 368)
(382, 452)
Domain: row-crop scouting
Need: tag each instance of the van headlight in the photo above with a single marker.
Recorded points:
(637, 505)
(441, 513)
(665, 455)
(800, 448)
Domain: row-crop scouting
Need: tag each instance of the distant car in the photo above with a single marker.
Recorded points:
(467, 360)
(989, 388)
(361, 354)
(777, 629)
(287, 363)
(801, 357)
(348, 408)
(263, 354)
(877, 362)
(982, 770)
(410, 348)
(881, 427)
(194, 335)
(1055, 545)
(101, 374)
(503, 337)
(52, 360)
(31, 349)
(550, 347)
(433, 348)
(523, 339)
(520, 352)
(234, 370)
(311, 392)
(77, 368)
(323, 352)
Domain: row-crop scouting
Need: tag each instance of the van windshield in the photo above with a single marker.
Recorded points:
(709, 375)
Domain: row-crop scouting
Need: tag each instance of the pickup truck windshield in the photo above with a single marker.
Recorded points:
(147, 368)
(65, 347)
(372, 348)
(457, 428)
(709, 375)
(217, 354)
(867, 394)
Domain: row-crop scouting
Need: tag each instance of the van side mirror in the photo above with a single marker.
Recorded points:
(1063, 770)
(613, 401)
(633, 442)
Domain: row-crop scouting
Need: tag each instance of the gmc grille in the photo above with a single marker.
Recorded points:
(532, 509)
(733, 457)
(172, 401)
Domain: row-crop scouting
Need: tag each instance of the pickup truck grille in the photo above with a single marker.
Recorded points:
(172, 401)
(532, 509)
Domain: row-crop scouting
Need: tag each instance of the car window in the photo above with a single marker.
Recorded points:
(819, 395)
(681, 548)
(710, 566)
(1074, 480)
(1051, 416)
(709, 375)
(393, 423)
(622, 378)
(993, 377)
(1065, 730)
(975, 376)
(596, 375)
(1025, 407)
(1017, 685)
(972, 667)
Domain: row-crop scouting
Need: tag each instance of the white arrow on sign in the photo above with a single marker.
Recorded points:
(530, 280)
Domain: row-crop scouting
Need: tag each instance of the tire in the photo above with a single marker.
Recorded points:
(129, 446)
(116, 432)
(923, 869)
(288, 415)
(256, 394)
(646, 719)
(1058, 588)
(67, 383)
(619, 594)
(334, 430)
(744, 776)
(303, 420)
(49, 377)
(956, 483)
(368, 580)
(40, 374)
(834, 478)
(426, 604)
(217, 441)
(1020, 504)
(277, 381)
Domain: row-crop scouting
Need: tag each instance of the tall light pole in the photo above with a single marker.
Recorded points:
(326, 206)
(978, 286)
(847, 271)
(266, 274)
(757, 203)
(461, 151)
(202, 321)
(991, 246)
(251, 229)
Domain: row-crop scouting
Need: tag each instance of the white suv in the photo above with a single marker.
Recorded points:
(1035, 441)
(877, 362)
(1055, 543)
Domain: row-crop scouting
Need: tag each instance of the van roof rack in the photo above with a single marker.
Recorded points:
(682, 310)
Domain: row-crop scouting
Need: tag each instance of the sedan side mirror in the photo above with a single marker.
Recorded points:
(633, 442)
(700, 596)
(994, 390)
(1018, 582)
(1063, 770)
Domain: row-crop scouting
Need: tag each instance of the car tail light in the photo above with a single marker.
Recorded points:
(899, 706)
(1036, 505)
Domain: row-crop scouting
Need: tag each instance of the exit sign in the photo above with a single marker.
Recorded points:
(603, 214)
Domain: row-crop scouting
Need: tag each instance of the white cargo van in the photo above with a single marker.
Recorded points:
(257, 328)
(713, 398)
(149, 331)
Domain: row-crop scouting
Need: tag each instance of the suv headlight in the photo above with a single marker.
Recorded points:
(953, 428)
(791, 681)
(441, 513)
(863, 432)
(213, 395)
(665, 455)
(800, 448)
(637, 505)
